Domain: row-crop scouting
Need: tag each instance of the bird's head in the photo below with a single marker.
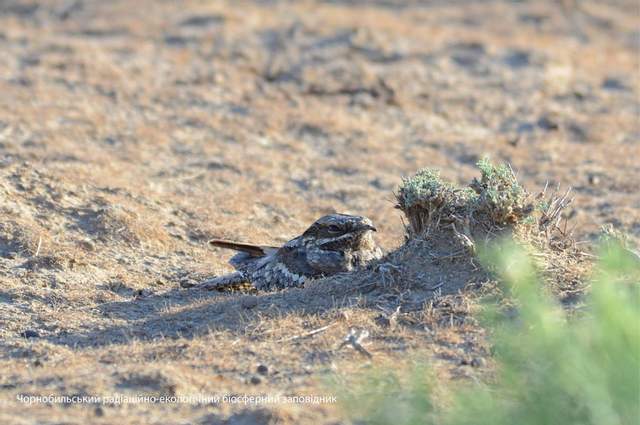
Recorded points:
(341, 232)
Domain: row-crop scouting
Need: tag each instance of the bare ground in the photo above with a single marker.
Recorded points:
(131, 133)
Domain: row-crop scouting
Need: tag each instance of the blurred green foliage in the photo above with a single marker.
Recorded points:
(551, 367)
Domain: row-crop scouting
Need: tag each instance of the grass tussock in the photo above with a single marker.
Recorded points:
(494, 205)
(427, 201)
(490, 203)
(551, 367)
(499, 195)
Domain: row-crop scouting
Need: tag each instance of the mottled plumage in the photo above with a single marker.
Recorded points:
(335, 243)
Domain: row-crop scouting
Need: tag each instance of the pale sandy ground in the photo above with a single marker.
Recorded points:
(132, 132)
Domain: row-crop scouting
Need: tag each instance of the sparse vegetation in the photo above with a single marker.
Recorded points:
(495, 200)
(493, 204)
(553, 364)
(428, 202)
(500, 197)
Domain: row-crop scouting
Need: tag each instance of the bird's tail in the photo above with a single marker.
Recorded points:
(253, 250)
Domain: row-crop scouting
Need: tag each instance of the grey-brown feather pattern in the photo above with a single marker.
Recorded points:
(334, 243)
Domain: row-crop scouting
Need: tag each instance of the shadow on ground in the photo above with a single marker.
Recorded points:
(407, 278)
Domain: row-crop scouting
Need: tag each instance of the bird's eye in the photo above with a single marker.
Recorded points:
(334, 229)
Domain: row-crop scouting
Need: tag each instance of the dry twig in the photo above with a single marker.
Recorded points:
(308, 334)
(354, 339)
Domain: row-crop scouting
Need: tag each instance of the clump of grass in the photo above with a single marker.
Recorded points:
(493, 204)
(427, 201)
(495, 200)
(500, 197)
(552, 367)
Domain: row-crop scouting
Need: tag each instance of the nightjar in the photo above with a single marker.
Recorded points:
(333, 244)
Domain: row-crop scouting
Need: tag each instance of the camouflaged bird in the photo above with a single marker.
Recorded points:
(335, 243)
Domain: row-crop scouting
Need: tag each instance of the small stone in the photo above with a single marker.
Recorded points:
(98, 411)
(141, 293)
(477, 362)
(255, 380)
(612, 83)
(548, 123)
(29, 333)
(383, 321)
(514, 140)
(249, 302)
(262, 370)
(87, 245)
(187, 283)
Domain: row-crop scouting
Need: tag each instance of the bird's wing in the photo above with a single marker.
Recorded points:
(252, 250)
(222, 282)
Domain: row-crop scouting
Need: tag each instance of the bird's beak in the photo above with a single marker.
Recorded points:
(368, 227)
